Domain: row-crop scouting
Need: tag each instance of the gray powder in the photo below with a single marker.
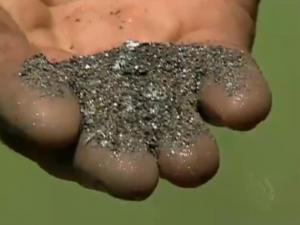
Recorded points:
(140, 95)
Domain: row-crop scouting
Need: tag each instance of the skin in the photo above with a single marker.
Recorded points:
(38, 127)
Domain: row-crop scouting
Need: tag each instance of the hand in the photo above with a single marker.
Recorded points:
(38, 128)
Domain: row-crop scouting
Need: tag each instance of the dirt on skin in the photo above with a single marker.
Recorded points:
(140, 95)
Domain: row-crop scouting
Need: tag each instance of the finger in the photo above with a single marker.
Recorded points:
(48, 121)
(40, 119)
(192, 165)
(56, 163)
(242, 110)
(232, 26)
(126, 174)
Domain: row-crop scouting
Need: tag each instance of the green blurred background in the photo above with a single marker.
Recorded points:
(259, 179)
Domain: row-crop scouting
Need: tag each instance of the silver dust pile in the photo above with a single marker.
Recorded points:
(140, 95)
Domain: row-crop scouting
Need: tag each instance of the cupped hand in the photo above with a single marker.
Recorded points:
(38, 127)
